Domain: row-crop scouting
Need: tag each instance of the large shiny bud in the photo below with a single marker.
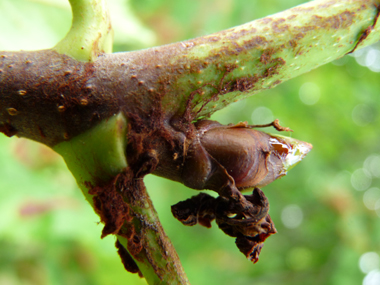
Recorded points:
(253, 158)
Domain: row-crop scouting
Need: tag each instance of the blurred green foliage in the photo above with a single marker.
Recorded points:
(49, 235)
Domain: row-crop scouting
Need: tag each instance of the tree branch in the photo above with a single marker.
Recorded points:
(186, 80)
(97, 160)
(62, 97)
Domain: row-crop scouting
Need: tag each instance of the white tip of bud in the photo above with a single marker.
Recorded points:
(292, 151)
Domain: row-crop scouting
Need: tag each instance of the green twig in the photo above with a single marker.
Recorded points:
(91, 31)
(95, 158)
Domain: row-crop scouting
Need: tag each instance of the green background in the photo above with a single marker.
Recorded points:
(326, 210)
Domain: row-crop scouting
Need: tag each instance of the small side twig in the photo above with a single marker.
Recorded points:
(275, 124)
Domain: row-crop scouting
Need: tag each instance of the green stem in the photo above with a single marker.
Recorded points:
(91, 31)
(97, 155)
(95, 158)
(224, 67)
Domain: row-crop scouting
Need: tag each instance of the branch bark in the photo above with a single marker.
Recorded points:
(58, 97)
(186, 81)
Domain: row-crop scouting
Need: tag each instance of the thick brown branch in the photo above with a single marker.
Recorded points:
(49, 97)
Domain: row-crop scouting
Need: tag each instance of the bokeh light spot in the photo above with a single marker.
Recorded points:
(361, 56)
(292, 216)
(361, 179)
(262, 115)
(309, 93)
(372, 164)
(372, 278)
(371, 57)
(369, 261)
(377, 207)
(371, 198)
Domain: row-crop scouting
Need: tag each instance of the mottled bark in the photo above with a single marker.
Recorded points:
(51, 98)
